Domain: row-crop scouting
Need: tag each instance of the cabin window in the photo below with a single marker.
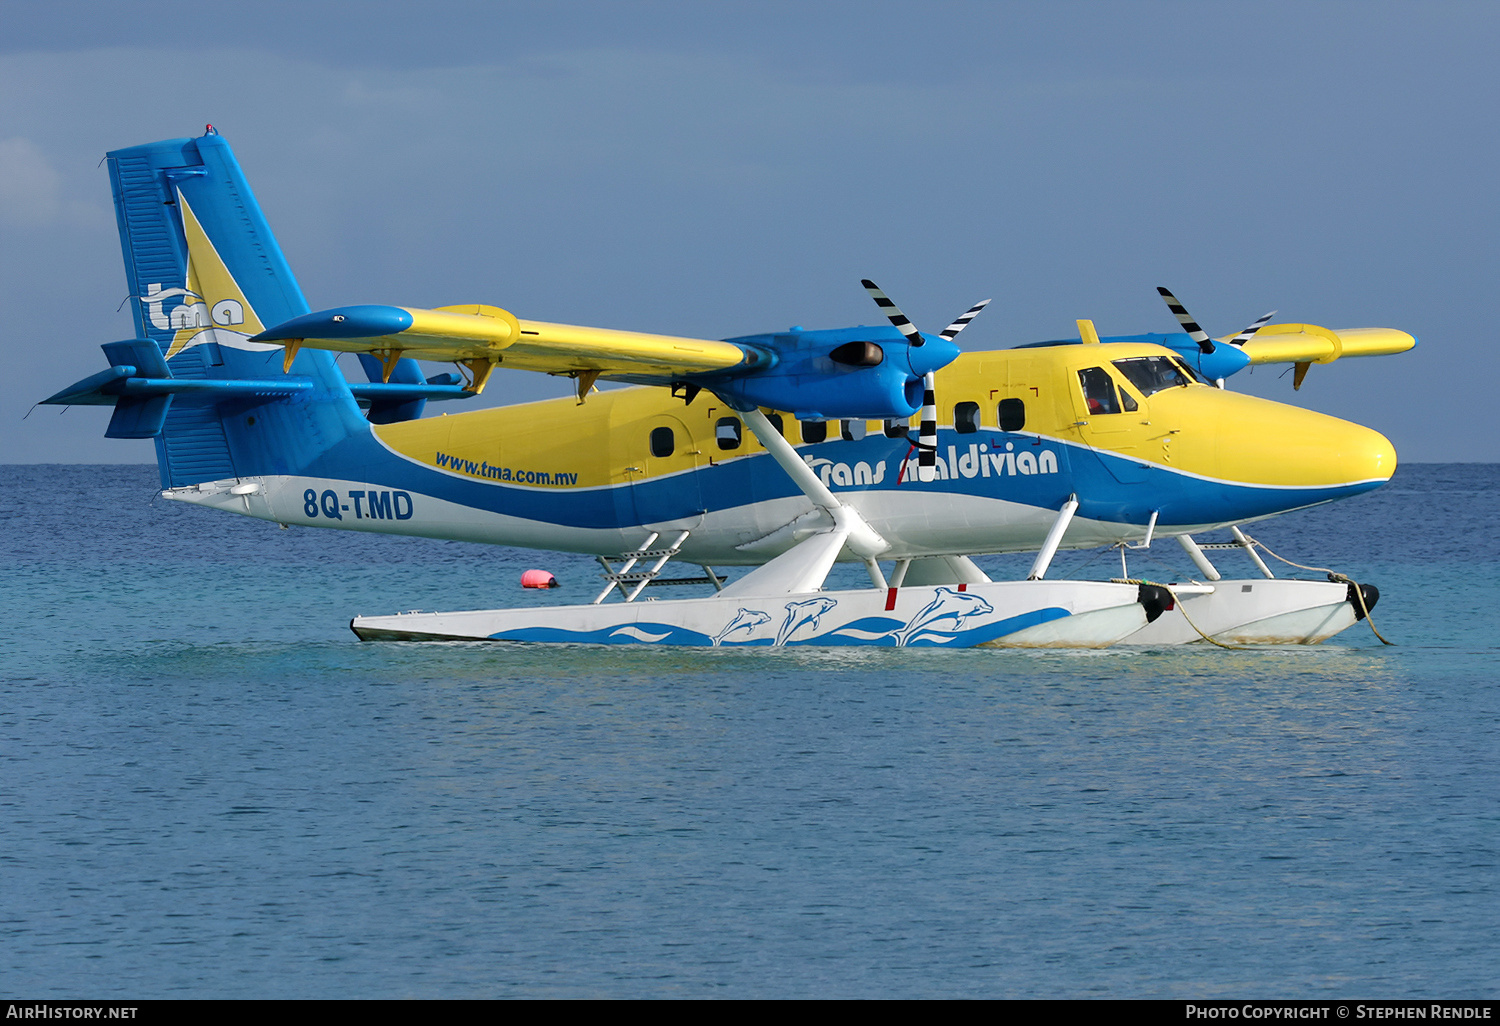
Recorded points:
(814, 431)
(896, 429)
(1098, 391)
(851, 430)
(966, 418)
(1151, 374)
(663, 442)
(775, 419)
(1012, 414)
(728, 432)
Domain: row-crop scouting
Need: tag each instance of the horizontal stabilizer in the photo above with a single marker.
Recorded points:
(94, 390)
(121, 381)
(401, 393)
(135, 358)
(378, 391)
(142, 390)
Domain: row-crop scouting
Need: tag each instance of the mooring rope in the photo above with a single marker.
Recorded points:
(1336, 578)
(1179, 604)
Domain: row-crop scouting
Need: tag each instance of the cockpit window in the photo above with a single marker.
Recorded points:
(1098, 390)
(1151, 374)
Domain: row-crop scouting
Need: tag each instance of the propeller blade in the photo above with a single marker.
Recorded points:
(1244, 336)
(893, 313)
(952, 330)
(1197, 334)
(927, 433)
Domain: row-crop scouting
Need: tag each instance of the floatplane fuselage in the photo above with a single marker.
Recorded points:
(600, 476)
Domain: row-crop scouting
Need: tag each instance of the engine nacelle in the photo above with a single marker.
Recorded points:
(861, 373)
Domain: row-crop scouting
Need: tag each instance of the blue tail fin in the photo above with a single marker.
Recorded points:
(205, 274)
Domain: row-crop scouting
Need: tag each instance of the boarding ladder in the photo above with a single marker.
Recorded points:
(1241, 541)
(627, 575)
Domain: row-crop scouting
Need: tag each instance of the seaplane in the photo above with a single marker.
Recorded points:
(782, 453)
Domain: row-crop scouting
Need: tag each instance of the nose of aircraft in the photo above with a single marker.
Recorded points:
(1269, 443)
(1350, 454)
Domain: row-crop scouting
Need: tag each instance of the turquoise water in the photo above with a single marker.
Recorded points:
(209, 788)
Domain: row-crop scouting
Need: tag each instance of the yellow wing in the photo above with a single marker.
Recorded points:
(480, 337)
(1309, 343)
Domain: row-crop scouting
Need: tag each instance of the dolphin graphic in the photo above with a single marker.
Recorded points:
(948, 604)
(801, 614)
(745, 620)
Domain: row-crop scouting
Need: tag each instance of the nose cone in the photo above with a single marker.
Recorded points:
(1261, 442)
(1223, 362)
(1305, 448)
(1367, 456)
(936, 354)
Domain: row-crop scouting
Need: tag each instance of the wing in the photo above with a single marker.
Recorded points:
(1309, 343)
(861, 372)
(481, 337)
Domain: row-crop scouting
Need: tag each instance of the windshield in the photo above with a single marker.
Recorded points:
(1191, 371)
(1151, 374)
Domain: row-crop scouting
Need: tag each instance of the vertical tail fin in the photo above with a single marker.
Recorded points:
(205, 274)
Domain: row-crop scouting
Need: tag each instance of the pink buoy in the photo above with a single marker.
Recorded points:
(538, 579)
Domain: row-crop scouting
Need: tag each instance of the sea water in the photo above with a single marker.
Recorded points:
(210, 788)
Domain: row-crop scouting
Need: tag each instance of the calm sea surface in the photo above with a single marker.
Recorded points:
(210, 788)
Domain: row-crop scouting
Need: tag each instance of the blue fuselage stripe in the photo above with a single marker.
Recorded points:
(1095, 477)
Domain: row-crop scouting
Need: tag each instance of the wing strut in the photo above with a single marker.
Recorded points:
(849, 528)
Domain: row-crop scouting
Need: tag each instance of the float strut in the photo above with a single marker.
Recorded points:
(1199, 559)
(1054, 538)
(1249, 546)
(863, 540)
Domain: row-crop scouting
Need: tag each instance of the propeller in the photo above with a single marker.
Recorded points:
(927, 432)
(1206, 346)
(1244, 336)
(1197, 334)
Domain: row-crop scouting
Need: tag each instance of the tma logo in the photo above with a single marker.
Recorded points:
(191, 312)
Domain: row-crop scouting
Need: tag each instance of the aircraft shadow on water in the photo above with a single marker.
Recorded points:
(785, 452)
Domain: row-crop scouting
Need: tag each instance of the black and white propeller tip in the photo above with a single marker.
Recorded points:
(1197, 334)
(927, 432)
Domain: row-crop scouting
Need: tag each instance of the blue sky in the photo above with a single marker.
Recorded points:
(716, 169)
